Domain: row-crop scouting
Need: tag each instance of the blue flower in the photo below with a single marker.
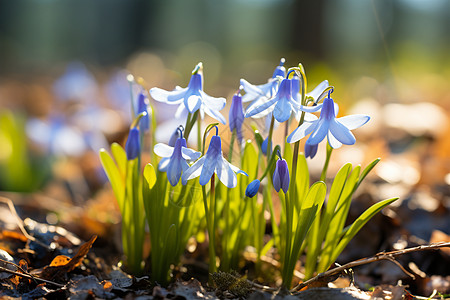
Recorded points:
(174, 160)
(213, 162)
(336, 129)
(178, 133)
(192, 97)
(281, 175)
(142, 105)
(264, 146)
(236, 115)
(311, 150)
(252, 188)
(282, 104)
(255, 92)
(133, 144)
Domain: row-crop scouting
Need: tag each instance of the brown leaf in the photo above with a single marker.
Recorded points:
(60, 260)
(57, 268)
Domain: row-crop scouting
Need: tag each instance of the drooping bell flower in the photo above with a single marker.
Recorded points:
(337, 130)
(236, 115)
(252, 188)
(281, 175)
(175, 159)
(192, 98)
(213, 162)
(281, 105)
(267, 90)
(133, 144)
(310, 150)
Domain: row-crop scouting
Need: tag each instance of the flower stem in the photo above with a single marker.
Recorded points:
(199, 130)
(188, 126)
(269, 139)
(323, 176)
(287, 253)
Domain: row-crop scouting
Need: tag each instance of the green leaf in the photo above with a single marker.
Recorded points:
(114, 176)
(366, 171)
(120, 157)
(311, 206)
(358, 224)
(150, 175)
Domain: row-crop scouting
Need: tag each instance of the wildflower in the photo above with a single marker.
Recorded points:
(252, 188)
(133, 144)
(192, 97)
(336, 129)
(311, 150)
(142, 105)
(236, 116)
(213, 162)
(255, 92)
(282, 104)
(175, 158)
(264, 146)
(176, 135)
(281, 175)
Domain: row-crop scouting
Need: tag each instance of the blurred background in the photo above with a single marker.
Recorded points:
(64, 94)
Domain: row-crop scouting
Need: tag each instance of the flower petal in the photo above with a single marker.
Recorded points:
(162, 166)
(282, 110)
(163, 150)
(194, 171)
(353, 121)
(172, 97)
(341, 133)
(190, 154)
(174, 170)
(302, 131)
(209, 166)
(319, 132)
(213, 102)
(254, 110)
(214, 114)
(334, 143)
(226, 174)
(193, 102)
(309, 109)
(318, 90)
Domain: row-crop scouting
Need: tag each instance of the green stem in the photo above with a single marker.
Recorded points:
(287, 255)
(199, 130)
(188, 126)
(269, 139)
(323, 176)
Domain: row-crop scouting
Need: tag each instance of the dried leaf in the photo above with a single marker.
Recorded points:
(57, 270)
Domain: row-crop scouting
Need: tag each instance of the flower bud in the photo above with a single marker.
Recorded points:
(311, 150)
(133, 144)
(252, 188)
(142, 105)
(281, 176)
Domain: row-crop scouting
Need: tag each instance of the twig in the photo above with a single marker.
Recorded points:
(377, 257)
(20, 223)
(2, 269)
(19, 268)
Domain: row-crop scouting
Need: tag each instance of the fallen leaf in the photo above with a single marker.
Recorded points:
(57, 270)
